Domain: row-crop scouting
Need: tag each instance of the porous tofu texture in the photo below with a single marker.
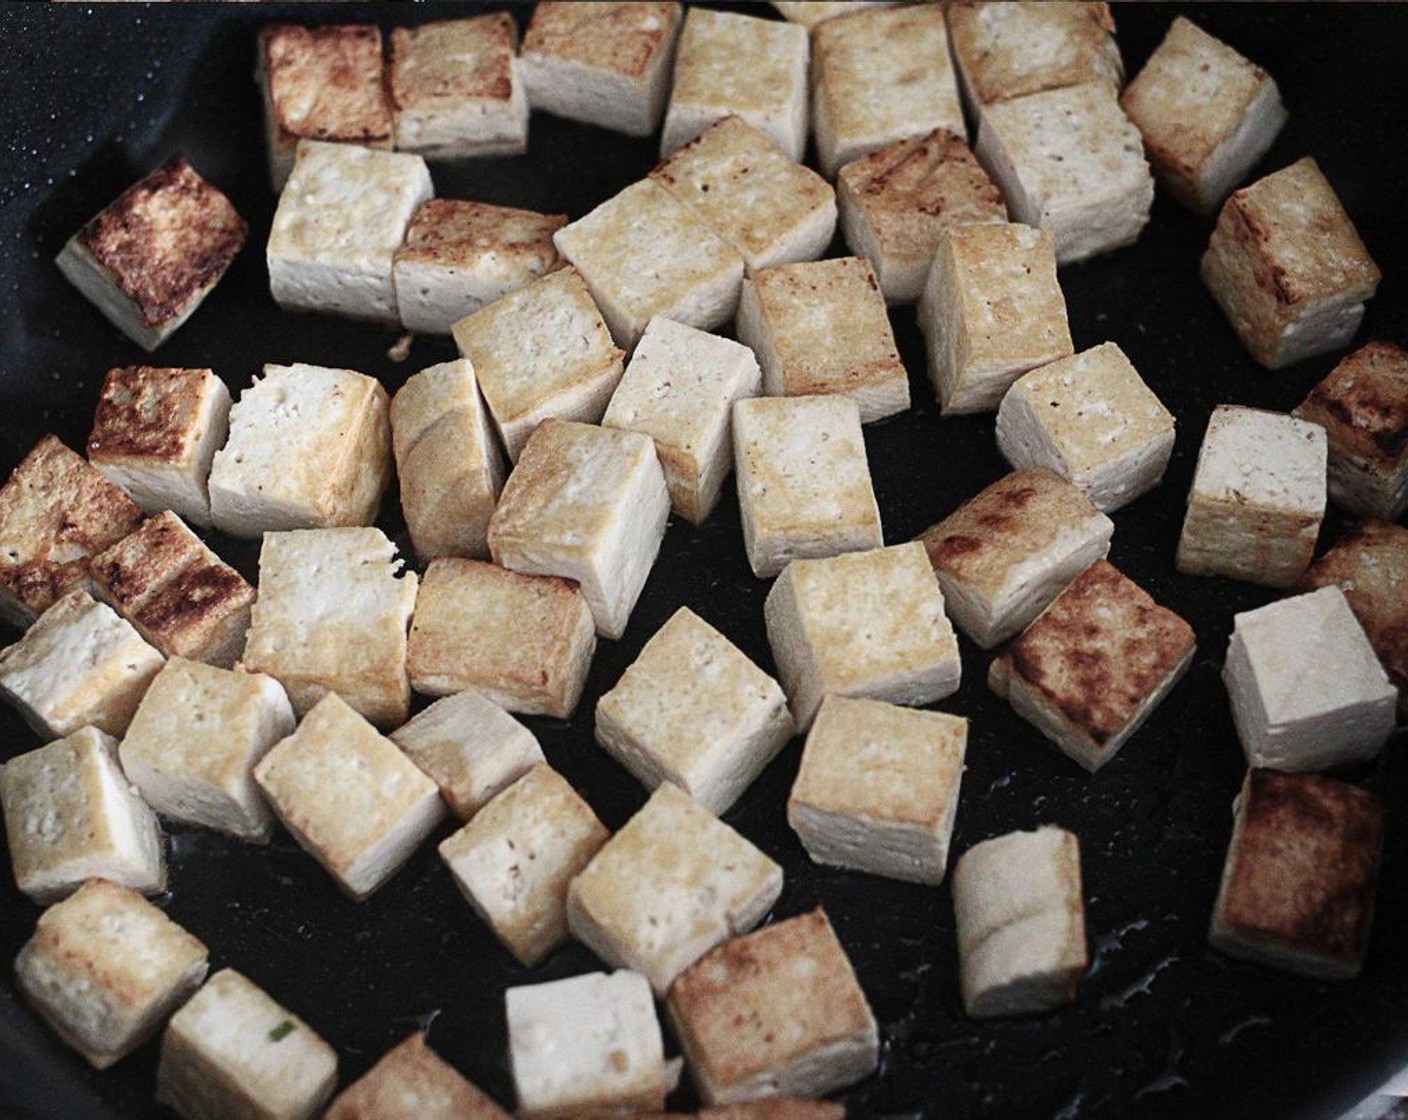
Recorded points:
(412, 1082)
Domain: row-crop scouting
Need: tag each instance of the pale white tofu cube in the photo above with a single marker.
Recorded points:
(412, 1082)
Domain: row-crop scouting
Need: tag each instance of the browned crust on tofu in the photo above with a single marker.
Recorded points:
(1087, 28)
(451, 230)
(145, 412)
(326, 83)
(610, 36)
(1363, 405)
(412, 1081)
(428, 62)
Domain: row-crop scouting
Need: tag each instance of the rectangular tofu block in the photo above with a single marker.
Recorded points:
(412, 1082)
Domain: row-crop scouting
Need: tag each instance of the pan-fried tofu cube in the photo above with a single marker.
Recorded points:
(331, 616)
(607, 64)
(667, 888)
(412, 1082)
(809, 13)
(1287, 267)
(1094, 665)
(542, 351)
(193, 744)
(309, 447)
(778, 1012)
(803, 480)
(105, 968)
(693, 710)
(1092, 419)
(587, 504)
(350, 798)
(1021, 923)
(524, 641)
(341, 217)
(1298, 886)
(821, 328)
(1307, 713)
(864, 624)
(1257, 499)
(514, 860)
(150, 259)
(991, 310)
(70, 816)
(731, 63)
(233, 1051)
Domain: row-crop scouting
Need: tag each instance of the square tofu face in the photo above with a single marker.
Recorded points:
(587, 504)
(821, 328)
(1021, 923)
(350, 798)
(331, 616)
(679, 389)
(341, 218)
(896, 201)
(991, 310)
(667, 888)
(514, 860)
(693, 710)
(523, 641)
(1094, 665)
(542, 351)
(71, 816)
(1295, 712)
(412, 1082)
(1091, 419)
(193, 744)
(1258, 498)
(309, 447)
(105, 968)
(776, 1013)
(150, 258)
(1298, 886)
(1287, 267)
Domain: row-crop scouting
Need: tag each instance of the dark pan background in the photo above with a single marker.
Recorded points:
(93, 97)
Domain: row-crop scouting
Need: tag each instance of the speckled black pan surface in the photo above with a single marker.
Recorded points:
(92, 98)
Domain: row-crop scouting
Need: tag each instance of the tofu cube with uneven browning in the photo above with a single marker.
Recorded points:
(412, 1082)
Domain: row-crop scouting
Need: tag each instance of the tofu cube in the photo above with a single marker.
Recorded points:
(152, 256)
(341, 217)
(809, 13)
(331, 616)
(1257, 499)
(776, 1013)
(1287, 267)
(514, 860)
(71, 816)
(412, 1082)
(1300, 713)
(193, 744)
(821, 328)
(350, 798)
(105, 968)
(587, 504)
(523, 641)
(1021, 923)
(803, 480)
(1206, 113)
(667, 888)
(865, 624)
(693, 710)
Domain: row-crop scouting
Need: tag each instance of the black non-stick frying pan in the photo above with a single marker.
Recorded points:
(93, 97)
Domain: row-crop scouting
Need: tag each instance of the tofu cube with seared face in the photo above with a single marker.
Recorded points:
(412, 1082)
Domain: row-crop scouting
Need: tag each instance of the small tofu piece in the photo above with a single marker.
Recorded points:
(350, 798)
(1287, 267)
(331, 616)
(1092, 419)
(341, 217)
(667, 888)
(821, 328)
(1005, 554)
(233, 1051)
(71, 816)
(776, 1013)
(587, 504)
(1021, 923)
(865, 624)
(152, 256)
(523, 641)
(412, 1082)
(309, 447)
(1257, 499)
(1298, 886)
(809, 13)
(192, 746)
(514, 860)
